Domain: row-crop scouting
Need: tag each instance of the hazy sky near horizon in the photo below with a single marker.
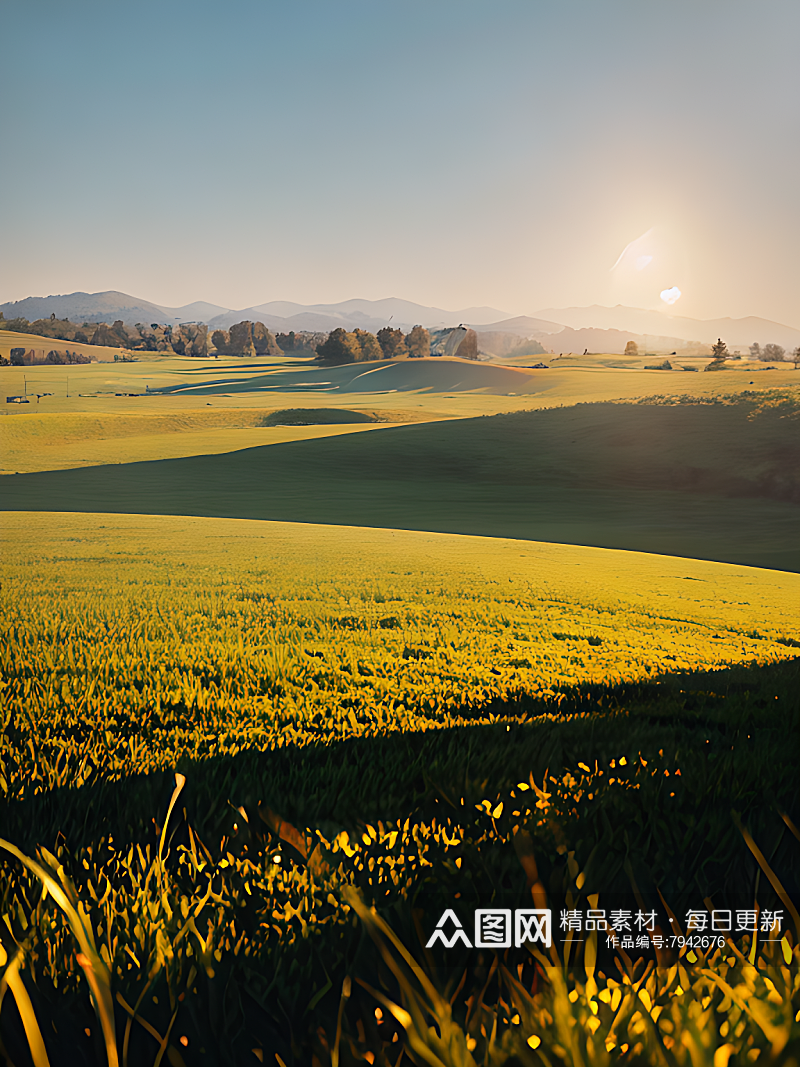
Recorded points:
(452, 152)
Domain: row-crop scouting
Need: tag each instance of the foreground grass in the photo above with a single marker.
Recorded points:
(413, 721)
(250, 947)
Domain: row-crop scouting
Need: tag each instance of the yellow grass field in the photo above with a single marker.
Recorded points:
(267, 633)
(52, 441)
(48, 434)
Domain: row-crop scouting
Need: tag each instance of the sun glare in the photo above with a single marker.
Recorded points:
(669, 296)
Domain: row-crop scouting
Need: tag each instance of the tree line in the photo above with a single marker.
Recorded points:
(248, 338)
(360, 346)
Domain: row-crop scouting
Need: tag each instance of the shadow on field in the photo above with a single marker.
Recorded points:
(725, 730)
(650, 795)
(705, 481)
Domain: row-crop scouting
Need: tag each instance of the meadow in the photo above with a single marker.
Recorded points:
(247, 764)
(377, 717)
(713, 478)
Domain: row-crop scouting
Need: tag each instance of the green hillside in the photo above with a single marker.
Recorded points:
(706, 480)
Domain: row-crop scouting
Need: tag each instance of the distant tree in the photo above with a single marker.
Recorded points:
(755, 351)
(720, 349)
(773, 353)
(393, 343)
(631, 349)
(418, 343)
(340, 347)
(19, 325)
(468, 349)
(111, 336)
(300, 341)
(190, 339)
(368, 344)
(17, 357)
(220, 339)
(796, 357)
(263, 341)
(241, 343)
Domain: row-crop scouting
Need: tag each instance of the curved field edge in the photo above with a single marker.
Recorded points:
(134, 642)
(701, 480)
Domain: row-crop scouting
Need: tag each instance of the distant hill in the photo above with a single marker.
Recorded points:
(278, 315)
(523, 325)
(614, 341)
(739, 333)
(284, 316)
(555, 337)
(653, 330)
(107, 307)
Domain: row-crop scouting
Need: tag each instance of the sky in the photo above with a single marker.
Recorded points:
(522, 154)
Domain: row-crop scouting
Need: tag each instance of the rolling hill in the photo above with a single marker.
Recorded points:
(707, 481)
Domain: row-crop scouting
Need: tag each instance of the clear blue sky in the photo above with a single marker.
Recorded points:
(452, 152)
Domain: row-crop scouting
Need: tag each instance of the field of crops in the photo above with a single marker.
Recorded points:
(409, 720)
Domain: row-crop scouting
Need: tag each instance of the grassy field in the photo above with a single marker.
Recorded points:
(39, 436)
(464, 620)
(233, 751)
(704, 480)
(58, 441)
(363, 715)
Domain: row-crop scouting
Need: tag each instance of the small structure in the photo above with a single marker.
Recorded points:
(17, 400)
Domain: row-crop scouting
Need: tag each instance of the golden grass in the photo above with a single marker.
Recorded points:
(46, 441)
(40, 436)
(276, 632)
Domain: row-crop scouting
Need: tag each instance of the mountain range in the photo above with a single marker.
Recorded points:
(735, 332)
(597, 328)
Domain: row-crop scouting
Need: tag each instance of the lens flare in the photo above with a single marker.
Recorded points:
(669, 296)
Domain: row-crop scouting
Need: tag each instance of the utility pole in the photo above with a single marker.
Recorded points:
(67, 387)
